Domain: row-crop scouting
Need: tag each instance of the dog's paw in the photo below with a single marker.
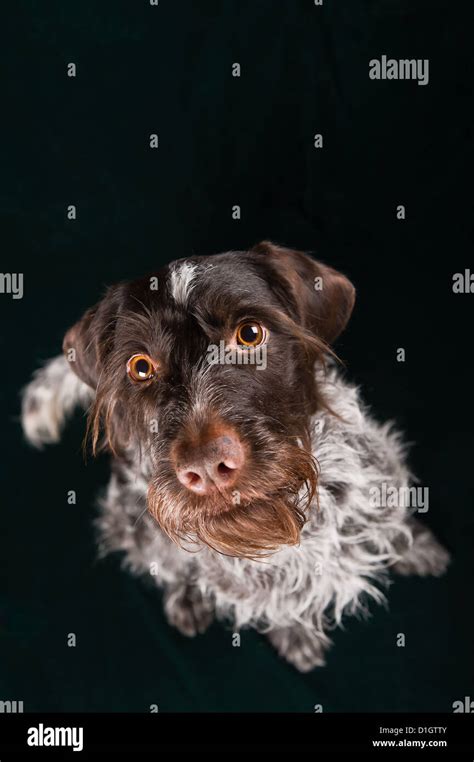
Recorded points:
(301, 648)
(426, 557)
(187, 610)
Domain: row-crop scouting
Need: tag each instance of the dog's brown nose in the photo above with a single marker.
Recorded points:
(213, 465)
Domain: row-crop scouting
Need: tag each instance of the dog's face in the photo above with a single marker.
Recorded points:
(207, 368)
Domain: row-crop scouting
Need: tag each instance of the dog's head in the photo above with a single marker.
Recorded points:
(207, 369)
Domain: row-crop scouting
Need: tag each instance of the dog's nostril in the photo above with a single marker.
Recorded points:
(192, 478)
(224, 470)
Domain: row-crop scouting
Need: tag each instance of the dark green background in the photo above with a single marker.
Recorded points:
(226, 141)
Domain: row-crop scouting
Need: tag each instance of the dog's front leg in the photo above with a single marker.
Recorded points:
(187, 609)
(302, 647)
(49, 399)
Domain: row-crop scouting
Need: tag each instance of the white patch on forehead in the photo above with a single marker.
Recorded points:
(182, 282)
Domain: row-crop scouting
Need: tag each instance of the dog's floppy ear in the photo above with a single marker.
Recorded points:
(321, 298)
(86, 343)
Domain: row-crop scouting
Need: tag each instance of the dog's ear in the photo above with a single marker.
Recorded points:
(85, 344)
(321, 298)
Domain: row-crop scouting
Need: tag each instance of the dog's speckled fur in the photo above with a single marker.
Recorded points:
(298, 593)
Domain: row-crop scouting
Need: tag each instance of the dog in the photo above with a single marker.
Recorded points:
(244, 492)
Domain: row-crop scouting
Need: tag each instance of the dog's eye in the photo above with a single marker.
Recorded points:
(141, 368)
(250, 334)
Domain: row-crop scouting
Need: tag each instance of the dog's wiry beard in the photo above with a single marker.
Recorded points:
(262, 519)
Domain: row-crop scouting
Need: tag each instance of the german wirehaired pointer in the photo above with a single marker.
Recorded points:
(244, 481)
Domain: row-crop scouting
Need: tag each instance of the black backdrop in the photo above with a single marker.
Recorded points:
(224, 141)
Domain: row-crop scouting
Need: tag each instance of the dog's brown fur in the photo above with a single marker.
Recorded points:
(269, 411)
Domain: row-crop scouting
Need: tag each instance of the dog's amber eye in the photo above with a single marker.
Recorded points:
(141, 368)
(250, 334)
